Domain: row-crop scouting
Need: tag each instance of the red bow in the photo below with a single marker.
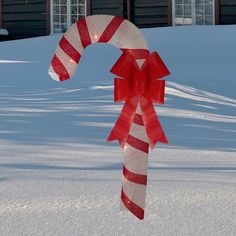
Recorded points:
(139, 86)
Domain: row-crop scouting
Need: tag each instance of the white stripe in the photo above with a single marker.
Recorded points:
(72, 35)
(140, 62)
(139, 131)
(135, 192)
(136, 166)
(53, 74)
(138, 110)
(128, 36)
(138, 41)
(135, 161)
(96, 25)
(67, 61)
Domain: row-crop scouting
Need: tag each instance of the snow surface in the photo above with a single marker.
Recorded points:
(58, 176)
(3, 32)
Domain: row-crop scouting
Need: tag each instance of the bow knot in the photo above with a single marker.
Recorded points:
(139, 83)
(143, 86)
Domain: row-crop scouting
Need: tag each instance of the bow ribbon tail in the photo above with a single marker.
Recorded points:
(154, 130)
(122, 126)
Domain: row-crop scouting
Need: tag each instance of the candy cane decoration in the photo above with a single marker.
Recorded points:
(127, 37)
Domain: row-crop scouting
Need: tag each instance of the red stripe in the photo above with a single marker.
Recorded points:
(69, 49)
(84, 33)
(111, 29)
(137, 143)
(131, 206)
(59, 68)
(137, 53)
(133, 177)
(138, 119)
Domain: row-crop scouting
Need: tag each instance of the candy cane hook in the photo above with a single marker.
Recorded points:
(113, 30)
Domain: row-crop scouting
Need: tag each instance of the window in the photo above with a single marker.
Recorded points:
(204, 12)
(193, 12)
(66, 12)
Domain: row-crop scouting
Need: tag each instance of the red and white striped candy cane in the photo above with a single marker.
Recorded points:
(126, 36)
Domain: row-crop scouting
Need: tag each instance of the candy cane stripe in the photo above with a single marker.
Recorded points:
(59, 68)
(137, 53)
(131, 206)
(69, 50)
(66, 60)
(128, 37)
(73, 37)
(137, 143)
(138, 119)
(135, 131)
(133, 177)
(136, 163)
(84, 33)
(111, 29)
(135, 192)
(97, 27)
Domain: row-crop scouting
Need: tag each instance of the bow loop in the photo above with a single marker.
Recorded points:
(120, 90)
(125, 66)
(155, 66)
(157, 91)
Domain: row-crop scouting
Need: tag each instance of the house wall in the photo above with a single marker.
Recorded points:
(144, 13)
(24, 18)
(114, 7)
(0, 13)
(227, 12)
(150, 13)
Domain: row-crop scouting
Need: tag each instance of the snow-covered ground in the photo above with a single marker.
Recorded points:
(58, 176)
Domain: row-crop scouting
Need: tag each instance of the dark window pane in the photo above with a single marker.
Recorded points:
(178, 10)
(199, 20)
(74, 19)
(199, 10)
(209, 20)
(57, 28)
(64, 28)
(63, 10)
(82, 10)
(55, 10)
(187, 9)
(187, 1)
(63, 18)
(56, 18)
(209, 2)
(178, 1)
(208, 10)
(200, 2)
(74, 10)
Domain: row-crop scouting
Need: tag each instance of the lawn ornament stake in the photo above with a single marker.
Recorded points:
(138, 85)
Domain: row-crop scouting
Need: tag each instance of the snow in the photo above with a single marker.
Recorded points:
(58, 176)
(3, 32)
